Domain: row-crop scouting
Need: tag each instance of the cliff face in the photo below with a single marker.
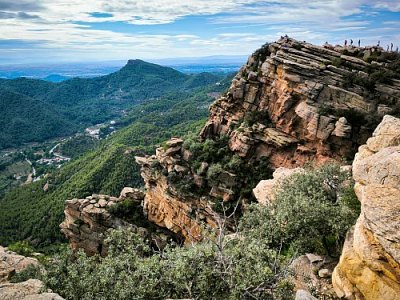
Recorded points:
(369, 267)
(302, 103)
(164, 204)
(290, 104)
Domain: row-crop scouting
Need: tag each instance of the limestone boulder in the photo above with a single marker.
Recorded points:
(369, 266)
(265, 190)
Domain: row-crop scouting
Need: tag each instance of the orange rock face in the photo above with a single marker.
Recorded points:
(289, 104)
(294, 89)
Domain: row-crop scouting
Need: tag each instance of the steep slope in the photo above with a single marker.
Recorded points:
(78, 103)
(43, 122)
(33, 212)
(292, 103)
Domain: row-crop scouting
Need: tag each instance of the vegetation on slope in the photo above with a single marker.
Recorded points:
(312, 212)
(36, 110)
(29, 212)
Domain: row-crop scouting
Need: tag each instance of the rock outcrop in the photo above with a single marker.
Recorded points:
(88, 220)
(31, 289)
(166, 206)
(369, 267)
(302, 107)
(290, 104)
(12, 263)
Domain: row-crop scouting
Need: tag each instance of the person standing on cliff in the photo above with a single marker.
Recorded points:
(359, 43)
(391, 47)
(379, 43)
(345, 43)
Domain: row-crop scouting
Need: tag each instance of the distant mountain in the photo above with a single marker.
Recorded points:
(64, 71)
(56, 78)
(33, 108)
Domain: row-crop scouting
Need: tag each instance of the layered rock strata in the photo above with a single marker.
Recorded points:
(290, 104)
(369, 267)
(297, 96)
(164, 205)
(88, 220)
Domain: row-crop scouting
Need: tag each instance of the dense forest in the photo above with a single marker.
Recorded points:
(37, 110)
(32, 212)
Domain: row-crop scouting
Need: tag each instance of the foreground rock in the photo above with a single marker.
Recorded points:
(31, 289)
(12, 263)
(88, 220)
(369, 267)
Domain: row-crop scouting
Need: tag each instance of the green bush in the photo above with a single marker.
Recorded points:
(22, 248)
(30, 272)
(232, 269)
(308, 214)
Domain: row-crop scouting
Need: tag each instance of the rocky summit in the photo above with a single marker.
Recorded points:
(369, 267)
(300, 104)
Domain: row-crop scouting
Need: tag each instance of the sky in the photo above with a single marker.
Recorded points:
(38, 31)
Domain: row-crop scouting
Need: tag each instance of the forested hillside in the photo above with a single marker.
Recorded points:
(32, 212)
(35, 110)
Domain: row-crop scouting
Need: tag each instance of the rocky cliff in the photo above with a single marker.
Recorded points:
(369, 267)
(295, 102)
(88, 220)
(291, 103)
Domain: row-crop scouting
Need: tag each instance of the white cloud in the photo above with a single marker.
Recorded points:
(57, 25)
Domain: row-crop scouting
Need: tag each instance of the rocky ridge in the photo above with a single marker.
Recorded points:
(299, 94)
(369, 266)
(290, 104)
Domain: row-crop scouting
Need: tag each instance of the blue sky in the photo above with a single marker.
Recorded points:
(37, 31)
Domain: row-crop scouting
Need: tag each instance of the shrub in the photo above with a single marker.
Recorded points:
(232, 269)
(308, 214)
(22, 248)
(30, 272)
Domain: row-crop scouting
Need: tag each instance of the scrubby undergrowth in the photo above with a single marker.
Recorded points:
(312, 212)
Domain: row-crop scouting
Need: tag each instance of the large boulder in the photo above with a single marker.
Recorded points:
(369, 267)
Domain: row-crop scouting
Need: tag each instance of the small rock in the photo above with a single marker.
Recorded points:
(102, 203)
(314, 258)
(324, 273)
(180, 169)
(304, 295)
